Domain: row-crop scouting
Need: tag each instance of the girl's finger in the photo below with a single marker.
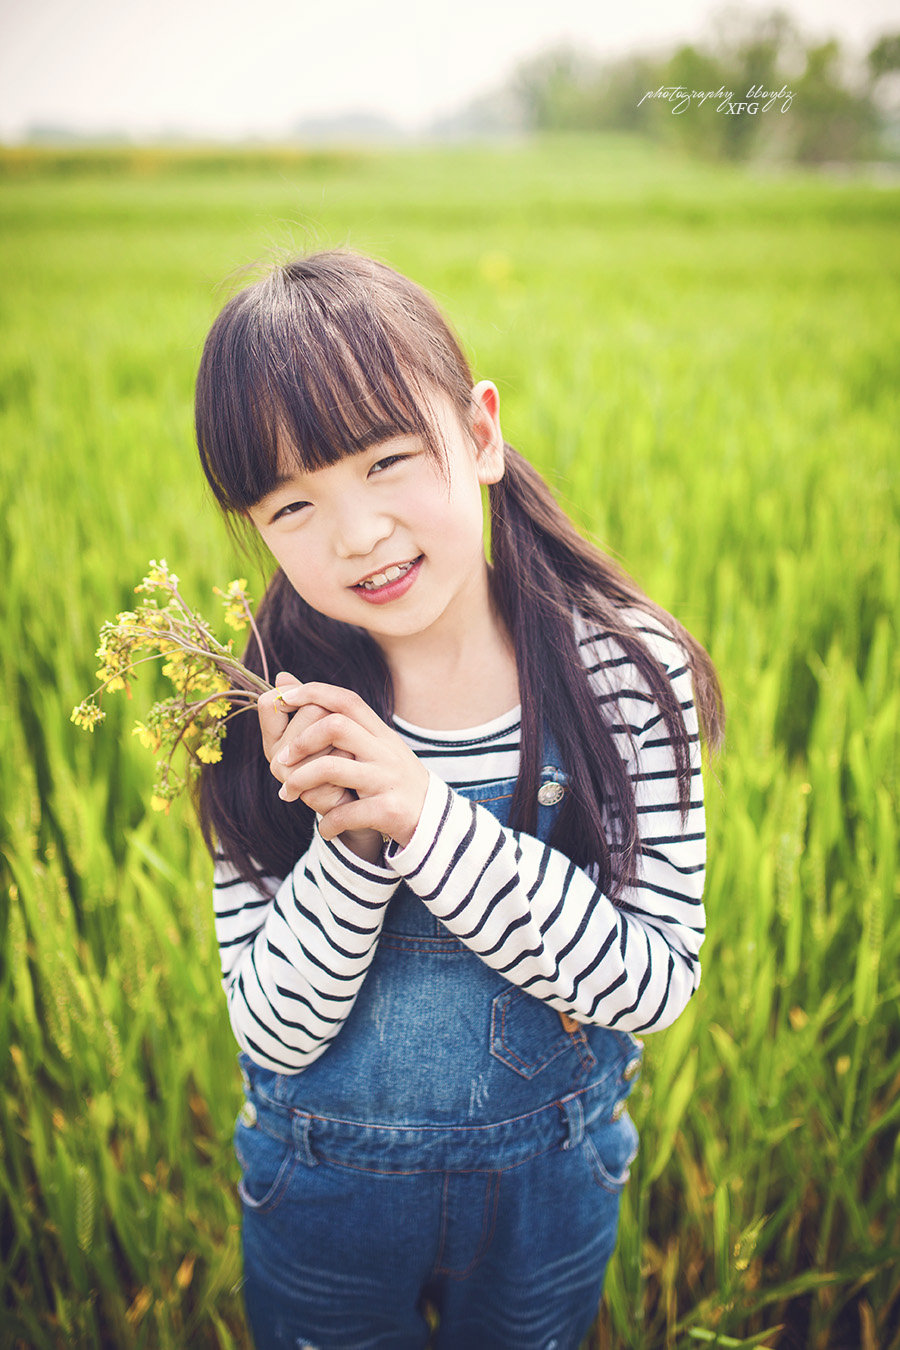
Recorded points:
(346, 815)
(335, 699)
(325, 799)
(274, 716)
(331, 731)
(372, 814)
(335, 769)
(277, 718)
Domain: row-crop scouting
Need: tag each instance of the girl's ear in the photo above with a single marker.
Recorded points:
(486, 432)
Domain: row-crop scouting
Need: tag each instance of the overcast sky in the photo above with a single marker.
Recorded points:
(238, 67)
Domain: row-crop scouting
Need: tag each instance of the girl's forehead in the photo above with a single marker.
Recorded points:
(441, 425)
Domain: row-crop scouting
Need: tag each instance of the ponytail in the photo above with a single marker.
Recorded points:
(543, 572)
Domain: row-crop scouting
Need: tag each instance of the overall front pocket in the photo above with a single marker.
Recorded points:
(267, 1165)
(527, 1034)
(610, 1149)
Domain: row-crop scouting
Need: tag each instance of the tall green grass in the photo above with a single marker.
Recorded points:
(703, 363)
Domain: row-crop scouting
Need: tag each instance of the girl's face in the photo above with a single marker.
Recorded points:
(385, 540)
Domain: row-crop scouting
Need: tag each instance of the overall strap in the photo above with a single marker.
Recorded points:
(551, 758)
(551, 793)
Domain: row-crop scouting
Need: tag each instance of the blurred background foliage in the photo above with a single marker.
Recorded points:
(840, 108)
(754, 87)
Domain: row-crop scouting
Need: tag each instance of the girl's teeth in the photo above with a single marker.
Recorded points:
(382, 578)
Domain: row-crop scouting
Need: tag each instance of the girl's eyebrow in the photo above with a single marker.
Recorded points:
(281, 480)
(381, 431)
(376, 435)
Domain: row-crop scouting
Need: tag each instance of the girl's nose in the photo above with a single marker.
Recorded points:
(358, 530)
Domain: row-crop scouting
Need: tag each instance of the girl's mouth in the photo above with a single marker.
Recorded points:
(390, 584)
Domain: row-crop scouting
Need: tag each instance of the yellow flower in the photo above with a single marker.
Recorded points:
(87, 715)
(237, 603)
(210, 754)
(200, 668)
(149, 739)
(235, 589)
(203, 680)
(173, 667)
(158, 577)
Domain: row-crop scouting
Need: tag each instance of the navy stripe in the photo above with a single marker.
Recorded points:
(446, 918)
(262, 903)
(458, 853)
(670, 806)
(651, 1021)
(351, 895)
(338, 918)
(431, 847)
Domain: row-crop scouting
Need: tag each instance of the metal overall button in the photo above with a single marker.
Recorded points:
(247, 1115)
(632, 1069)
(550, 793)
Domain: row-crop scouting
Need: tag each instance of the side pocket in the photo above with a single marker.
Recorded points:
(266, 1167)
(527, 1034)
(610, 1149)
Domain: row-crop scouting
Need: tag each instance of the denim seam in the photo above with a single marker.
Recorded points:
(436, 1170)
(601, 1174)
(487, 1229)
(409, 942)
(285, 1111)
(444, 1225)
(582, 1047)
(273, 1197)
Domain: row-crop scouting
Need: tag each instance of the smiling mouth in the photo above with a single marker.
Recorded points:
(392, 573)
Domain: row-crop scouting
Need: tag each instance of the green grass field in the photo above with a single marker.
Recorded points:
(703, 362)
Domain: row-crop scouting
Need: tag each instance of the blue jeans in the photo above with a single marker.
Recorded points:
(457, 1145)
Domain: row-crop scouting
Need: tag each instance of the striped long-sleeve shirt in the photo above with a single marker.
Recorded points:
(295, 951)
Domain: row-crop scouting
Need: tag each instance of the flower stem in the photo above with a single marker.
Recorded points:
(259, 641)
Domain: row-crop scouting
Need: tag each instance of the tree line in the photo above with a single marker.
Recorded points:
(755, 87)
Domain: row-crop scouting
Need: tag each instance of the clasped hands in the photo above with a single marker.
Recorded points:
(329, 749)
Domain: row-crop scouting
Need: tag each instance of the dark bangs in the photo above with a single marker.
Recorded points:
(321, 359)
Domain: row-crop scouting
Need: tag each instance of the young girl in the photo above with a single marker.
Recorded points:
(462, 865)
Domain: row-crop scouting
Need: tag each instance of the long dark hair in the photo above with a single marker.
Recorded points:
(321, 358)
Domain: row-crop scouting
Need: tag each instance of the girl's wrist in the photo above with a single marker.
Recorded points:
(366, 844)
(403, 832)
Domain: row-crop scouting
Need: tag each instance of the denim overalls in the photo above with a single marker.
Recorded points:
(458, 1143)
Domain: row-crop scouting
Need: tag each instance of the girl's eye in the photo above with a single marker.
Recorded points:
(290, 510)
(388, 461)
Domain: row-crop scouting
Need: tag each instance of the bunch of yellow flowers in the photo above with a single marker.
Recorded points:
(211, 684)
